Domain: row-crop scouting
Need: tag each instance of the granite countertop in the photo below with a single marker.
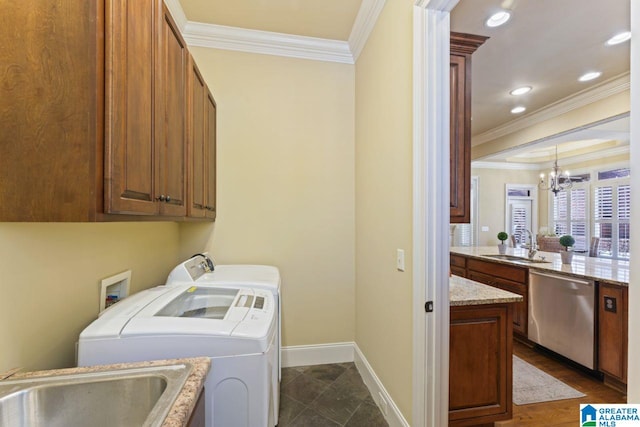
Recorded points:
(602, 269)
(178, 415)
(468, 292)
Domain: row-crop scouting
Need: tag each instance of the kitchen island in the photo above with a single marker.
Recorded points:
(610, 311)
(480, 353)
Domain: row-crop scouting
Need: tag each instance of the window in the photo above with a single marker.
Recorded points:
(606, 218)
(611, 214)
(520, 216)
(570, 215)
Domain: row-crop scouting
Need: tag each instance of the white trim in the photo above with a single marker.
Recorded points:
(363, 26)
(271, 43)
(383, 399)
(177, 13)
(431, 211)
(317, 354)
(633, 373)
(608, 88)
(266, 42)
(504, 166)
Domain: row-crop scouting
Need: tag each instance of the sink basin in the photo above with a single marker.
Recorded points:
(518, 259)
(124, 397)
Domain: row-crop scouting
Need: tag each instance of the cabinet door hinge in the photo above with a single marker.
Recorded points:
(428, 306)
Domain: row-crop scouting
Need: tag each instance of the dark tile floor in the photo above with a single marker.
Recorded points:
(326, 395)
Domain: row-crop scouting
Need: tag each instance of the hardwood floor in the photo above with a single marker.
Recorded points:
(561, 412)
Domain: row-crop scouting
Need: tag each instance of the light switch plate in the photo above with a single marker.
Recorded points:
(400, 259)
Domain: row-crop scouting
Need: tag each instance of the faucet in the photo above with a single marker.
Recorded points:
(533, 245)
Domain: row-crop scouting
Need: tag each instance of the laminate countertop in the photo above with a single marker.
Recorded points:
(582, 266)
(468, 292)
(178, 415)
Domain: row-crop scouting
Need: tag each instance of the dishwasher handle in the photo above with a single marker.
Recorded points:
(557, 277)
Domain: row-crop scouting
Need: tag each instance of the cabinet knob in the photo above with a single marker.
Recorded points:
(168, 198)
(162, 198)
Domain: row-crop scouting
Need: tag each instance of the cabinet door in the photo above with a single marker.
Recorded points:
(211, 155)
(612, 330)
(129, 140)
(459, 142)
(462, 46)
(197, 98)
(480, 365)
(170, 126)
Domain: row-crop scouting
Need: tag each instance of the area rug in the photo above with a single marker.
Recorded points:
(531, 385)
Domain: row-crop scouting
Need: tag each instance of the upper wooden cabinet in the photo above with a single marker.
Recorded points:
(93, 112)
(171, 118)
(202, 146)
(461, 48)
(51, 119)
(130, 51)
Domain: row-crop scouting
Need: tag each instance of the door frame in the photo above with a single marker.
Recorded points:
(431, 211)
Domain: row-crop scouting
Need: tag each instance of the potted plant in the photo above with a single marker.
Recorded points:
(502, 247)
(567, 241)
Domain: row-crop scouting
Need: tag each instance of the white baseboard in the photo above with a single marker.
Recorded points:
(317, 354)
(320, 354)
(382, 398)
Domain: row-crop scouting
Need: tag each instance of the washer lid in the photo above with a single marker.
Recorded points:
(205, 311)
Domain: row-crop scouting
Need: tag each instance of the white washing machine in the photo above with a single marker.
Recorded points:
(199, 270)
(235, 327)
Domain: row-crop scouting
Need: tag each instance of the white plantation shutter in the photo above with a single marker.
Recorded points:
(611, 214)
(520, 221)
(560, 213)
(571, 215)
(579, 218)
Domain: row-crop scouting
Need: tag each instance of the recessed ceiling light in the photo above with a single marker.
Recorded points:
(619, 38)
(521, 90)
(518, 110)
(498, 18)
(590, 76)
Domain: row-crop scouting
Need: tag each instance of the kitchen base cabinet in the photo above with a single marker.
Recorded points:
(613, 333)
(508, 278)
(480, 364)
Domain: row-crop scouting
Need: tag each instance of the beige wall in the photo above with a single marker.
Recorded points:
(492, 199)
(384, 201)
(50, 277)
(286, 184)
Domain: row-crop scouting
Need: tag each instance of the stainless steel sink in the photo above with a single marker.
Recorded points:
(126, 397)
(518, 259)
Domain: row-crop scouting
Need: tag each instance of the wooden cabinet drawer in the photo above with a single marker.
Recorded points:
(457, 261)
(516, 274)
(520, 309)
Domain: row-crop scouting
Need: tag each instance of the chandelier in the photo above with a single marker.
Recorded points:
(558, 180)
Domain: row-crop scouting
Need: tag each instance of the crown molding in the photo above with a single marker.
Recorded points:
(177, 13)
(271, 43)
(504, 166)
(608, 88)
(266, 42)
(363, 26)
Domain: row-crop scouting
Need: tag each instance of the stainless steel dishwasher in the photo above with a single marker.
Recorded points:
(561, 315)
